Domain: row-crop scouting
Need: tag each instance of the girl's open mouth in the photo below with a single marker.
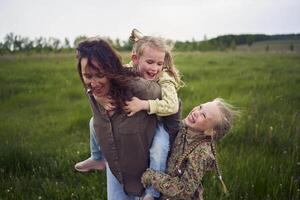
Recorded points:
(191, 118)
(151, 75)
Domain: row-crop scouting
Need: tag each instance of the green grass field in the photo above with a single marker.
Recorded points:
(44, 125)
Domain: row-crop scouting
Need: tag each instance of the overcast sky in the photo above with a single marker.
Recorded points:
(173, 19)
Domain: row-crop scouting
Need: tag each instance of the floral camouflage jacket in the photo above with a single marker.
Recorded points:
(188, 184)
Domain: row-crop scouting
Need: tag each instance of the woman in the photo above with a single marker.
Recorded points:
(124, 140)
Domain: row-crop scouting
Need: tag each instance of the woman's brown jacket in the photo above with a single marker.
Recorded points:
(125, 141)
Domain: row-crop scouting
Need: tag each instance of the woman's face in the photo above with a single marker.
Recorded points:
(203, 117)
(94, 79)
(150, 63)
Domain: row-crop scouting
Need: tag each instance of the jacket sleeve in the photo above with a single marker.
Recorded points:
(184, 186)
(168, 104)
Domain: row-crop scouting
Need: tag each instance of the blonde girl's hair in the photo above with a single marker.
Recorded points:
(141, 41)
(229, 114)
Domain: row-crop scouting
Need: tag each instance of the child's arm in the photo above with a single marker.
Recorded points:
(168, 105)
(184, 186)
(135, 105)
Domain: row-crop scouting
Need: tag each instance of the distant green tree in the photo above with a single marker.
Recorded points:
(9, 41)
(221, 45)
(232, 45)
(127, 45)
(2, 48)
(250, 40)
(117, 44)
(67, 44)
(39, 44)
(56, 44)
(194, 45)
(27, 44)
(17, 43)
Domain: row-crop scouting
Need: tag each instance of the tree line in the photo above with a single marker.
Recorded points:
(16, 43)
(226, 42)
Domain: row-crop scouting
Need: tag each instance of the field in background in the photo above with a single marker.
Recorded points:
(272, 46)
(44, 124)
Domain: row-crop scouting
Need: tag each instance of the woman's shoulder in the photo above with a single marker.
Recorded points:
(144, 89)
(139, 82)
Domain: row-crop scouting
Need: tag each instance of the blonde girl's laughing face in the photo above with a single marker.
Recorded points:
(150, 63)
(204, 117)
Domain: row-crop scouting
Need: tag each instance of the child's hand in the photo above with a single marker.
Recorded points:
(107, 102)
(146, 178)
(135, 105)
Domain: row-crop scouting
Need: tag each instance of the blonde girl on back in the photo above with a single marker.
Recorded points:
(152, 59)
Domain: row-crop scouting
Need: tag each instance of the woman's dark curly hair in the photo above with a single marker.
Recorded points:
(108, 63)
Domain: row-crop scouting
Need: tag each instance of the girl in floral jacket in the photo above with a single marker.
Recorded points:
(193, 152)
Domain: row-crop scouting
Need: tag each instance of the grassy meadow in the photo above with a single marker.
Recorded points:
(45, 114)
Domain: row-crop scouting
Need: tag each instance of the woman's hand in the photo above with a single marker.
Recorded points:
(135, 105)
(107, 102)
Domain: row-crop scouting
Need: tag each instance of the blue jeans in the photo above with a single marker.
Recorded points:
(115, 190)
(96, 153)
(158, 159)
(158, 154)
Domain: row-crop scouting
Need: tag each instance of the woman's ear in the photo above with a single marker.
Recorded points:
(134, 59)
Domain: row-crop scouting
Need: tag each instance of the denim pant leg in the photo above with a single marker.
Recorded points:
(115, 189)
(96, 153)
(158, 154)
